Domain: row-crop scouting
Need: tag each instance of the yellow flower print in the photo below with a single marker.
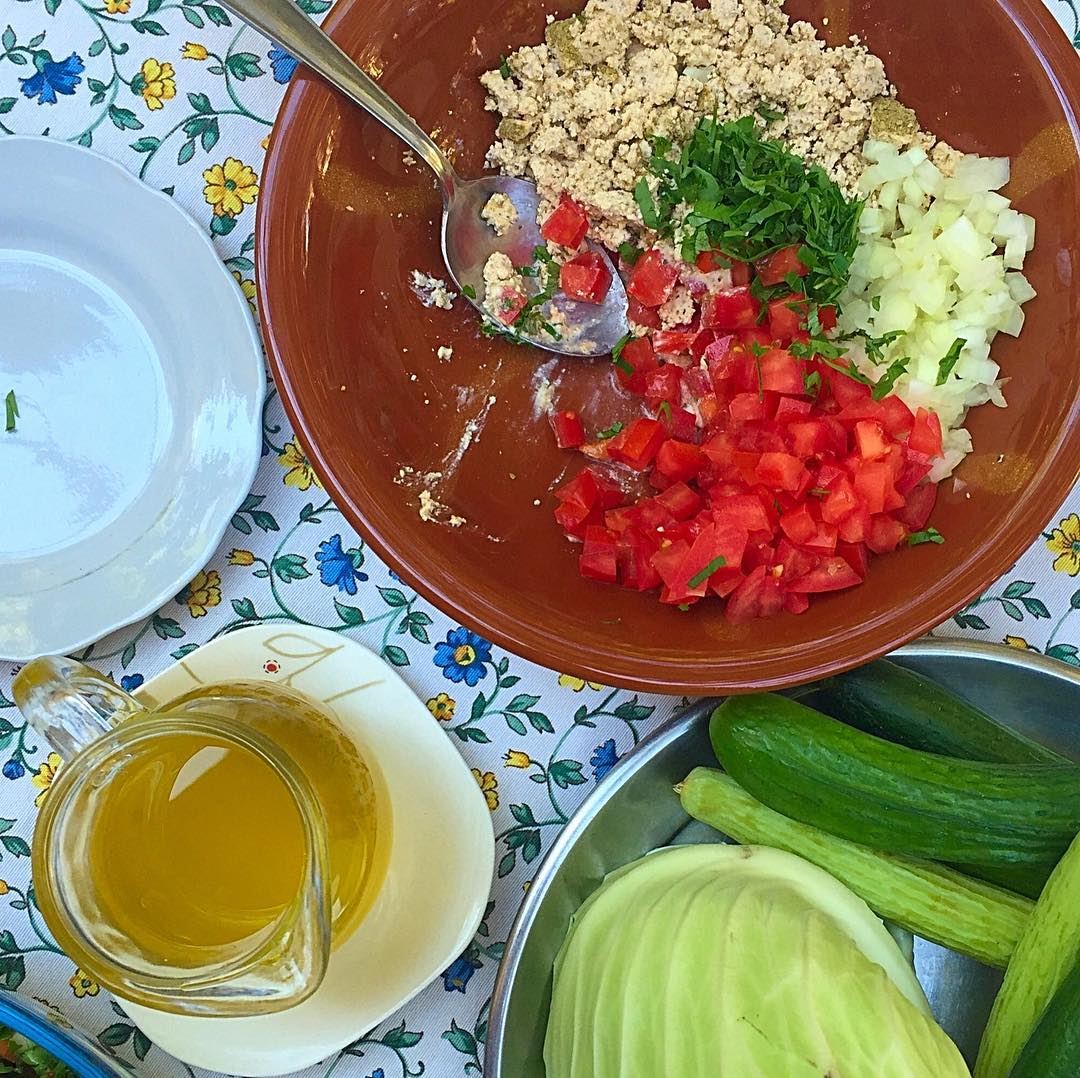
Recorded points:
(229, 187)
(3, 887)
(489, 784)
(83, 985)
(117, 7)
(567, 681)
(44, 776)
(157, 83)
(1018, 642)
(265, 144)
(442, 707)
(1064, 541)
(241, 557)
(203, 593)
(192, 50)
(298, 471)
(247, 286)
(517, 758)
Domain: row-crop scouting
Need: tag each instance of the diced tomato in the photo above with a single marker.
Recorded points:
(586, 277)
(702, 339)
(573, 518)
(916, 468)
(635, 362)
(641, 315)
(678, 422)
(885, 534)
(618, 520)
(635, 561)
(673, 342)
(569, 429)
(780, 372)
(870, 440)
(759, 595)
(926, 434)
(747, 406)
(599, 557)
(799, 524)
(760, 337)
(680, 501)
(568, 224)
(855, 525)
(775, 268)
(839, 502)
(795, 603)
(808, 438)
(590, 490)
(920, 504)
(846, 390)
(652, 280)
(741, 273)
(824, 539)
(827, 318)
(668, 562)
(663, 384)
(896, 417)
(831, 574)
(873, 483)
(733, 308)
(679, 460)
(709, 408)
(856, 555)
(780, 471)
(509, 303)
(638, 445)
(787, 316)
(710, 261)
(742, 511)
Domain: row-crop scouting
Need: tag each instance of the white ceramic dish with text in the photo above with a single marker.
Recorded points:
(139, 380)
(437, 879)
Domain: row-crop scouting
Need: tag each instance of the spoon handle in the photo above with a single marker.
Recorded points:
(285, 23)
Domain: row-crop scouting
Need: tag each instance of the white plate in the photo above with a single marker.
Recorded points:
(441, 858)
(139, 379)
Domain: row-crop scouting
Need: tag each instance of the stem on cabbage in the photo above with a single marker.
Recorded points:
(937, 903)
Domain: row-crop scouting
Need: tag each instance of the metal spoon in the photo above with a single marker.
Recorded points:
(467, 240)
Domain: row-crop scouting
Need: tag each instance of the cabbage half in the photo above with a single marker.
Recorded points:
(736, 961)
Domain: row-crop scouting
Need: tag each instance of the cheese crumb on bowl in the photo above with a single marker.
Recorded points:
(432, 291)
(445, 352)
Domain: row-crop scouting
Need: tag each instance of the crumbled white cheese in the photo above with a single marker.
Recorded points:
(445, 352)
(431, 291)
(500, 212)
(433, 510)
(408, 159)
(503, 285)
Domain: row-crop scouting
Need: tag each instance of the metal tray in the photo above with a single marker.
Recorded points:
(634, 810)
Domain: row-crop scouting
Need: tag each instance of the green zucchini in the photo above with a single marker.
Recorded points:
(1053, 1050)
(936, 903)
(818, 770)
(1049, 947)
(899, 705)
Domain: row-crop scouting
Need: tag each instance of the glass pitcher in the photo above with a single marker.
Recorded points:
(204, 856)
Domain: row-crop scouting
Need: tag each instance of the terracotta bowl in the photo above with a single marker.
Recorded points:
(342, 222)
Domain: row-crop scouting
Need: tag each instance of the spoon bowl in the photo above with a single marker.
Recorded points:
(586, 329)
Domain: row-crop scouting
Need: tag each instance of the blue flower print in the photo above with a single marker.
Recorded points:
(378, 1072)
(603, 759)
(337, 566)
(130, 682)
(458, 974)
(282, 63)
(53, 78)
(462, 656)
(14, 769)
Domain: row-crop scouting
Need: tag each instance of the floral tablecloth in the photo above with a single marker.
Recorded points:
(184, 96)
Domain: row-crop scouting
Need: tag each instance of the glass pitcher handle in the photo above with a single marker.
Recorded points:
(69, 704)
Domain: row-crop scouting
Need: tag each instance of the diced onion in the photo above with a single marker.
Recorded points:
(939, 259)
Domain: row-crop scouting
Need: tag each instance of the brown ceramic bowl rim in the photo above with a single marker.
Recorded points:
(1049, 486)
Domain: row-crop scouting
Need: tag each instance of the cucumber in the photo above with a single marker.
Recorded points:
(1053, 1050)
(1048, 949)
(936, 903)
(817, 770)
(899, 705)
(1027, 880)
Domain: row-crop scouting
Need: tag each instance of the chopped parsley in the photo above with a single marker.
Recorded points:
(616, 354)
(812, 383)
(875, 303)
(699, 578)
(875, 346)
(468, 291)
(615, 428)
(11, 407)
(504, 68)
(629, 253)
(950, 359)
(768, 113)
(531, 320)
(931, 535)
(886, 382)
(664, 410)
(748, 197)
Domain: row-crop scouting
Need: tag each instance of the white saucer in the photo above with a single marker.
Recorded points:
(139, 380)
(441, 858)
